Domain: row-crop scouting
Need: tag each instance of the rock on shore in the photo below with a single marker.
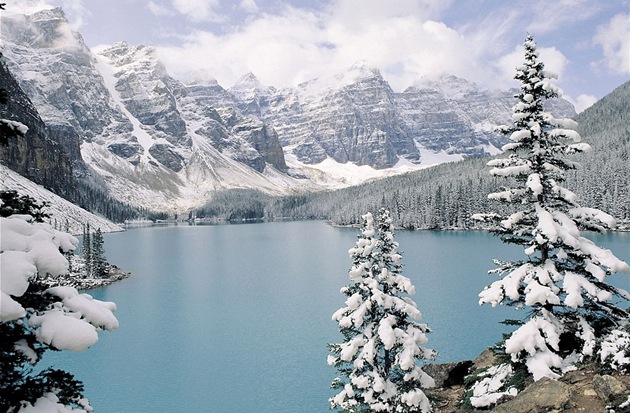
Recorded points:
(581, 391)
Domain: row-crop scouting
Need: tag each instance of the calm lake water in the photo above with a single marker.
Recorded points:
(236, 318)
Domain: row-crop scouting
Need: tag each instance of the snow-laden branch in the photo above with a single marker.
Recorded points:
(28, 250)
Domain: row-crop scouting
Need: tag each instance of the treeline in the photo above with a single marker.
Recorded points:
(441, 197)
(100, 202)
(445, 196)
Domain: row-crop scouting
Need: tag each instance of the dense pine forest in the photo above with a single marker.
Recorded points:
(445, 196)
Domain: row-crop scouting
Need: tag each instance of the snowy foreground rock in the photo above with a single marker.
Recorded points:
(582, 390)
(42, 318)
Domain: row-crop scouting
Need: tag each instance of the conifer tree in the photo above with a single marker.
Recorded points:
(562, 280)
(98, 254)
(86, 249)
(379, 357)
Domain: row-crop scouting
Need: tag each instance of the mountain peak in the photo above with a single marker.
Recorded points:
(49, 14)
(201, 77)
(37, 9)
(42, 28)
(248, 82)
(363, 68)
(450, 86)
(123, 54)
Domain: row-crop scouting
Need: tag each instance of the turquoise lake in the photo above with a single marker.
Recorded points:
(236, 318)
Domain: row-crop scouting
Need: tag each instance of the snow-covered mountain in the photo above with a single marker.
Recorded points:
(161, 143)
(147, 137)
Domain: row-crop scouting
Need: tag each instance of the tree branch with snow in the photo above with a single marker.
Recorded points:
(35, 318)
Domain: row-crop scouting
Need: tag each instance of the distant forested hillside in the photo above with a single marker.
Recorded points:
(445, 196)
(603, 180)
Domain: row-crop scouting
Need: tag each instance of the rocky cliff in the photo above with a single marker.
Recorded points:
(41, 153)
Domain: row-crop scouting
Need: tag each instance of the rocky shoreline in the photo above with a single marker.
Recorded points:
(80, 281)
(585, 390)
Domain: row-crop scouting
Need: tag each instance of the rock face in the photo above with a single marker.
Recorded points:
(56, 70)
(350, 118)
(356, 117)
(146, 90)
(39, 155)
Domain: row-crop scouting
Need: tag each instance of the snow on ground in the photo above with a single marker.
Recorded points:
(64, 214)
(431, 158)
(331, 174)
(49, 403)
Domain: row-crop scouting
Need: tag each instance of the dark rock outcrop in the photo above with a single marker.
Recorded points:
(448, 374)
(165, 155)
(35, 155)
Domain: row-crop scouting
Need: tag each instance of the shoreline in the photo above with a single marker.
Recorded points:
(79, 281)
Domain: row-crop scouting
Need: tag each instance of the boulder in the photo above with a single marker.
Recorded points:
(609, 389)
(484, 360)
(545, 395)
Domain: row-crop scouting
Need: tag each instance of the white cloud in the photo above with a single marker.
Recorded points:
(198, 10)
(296, 45)
(582, 102)
(405, 39)
(249, 6)
(158, 9)
(614, 39)
(356, 13)
(75, 11)
(554, 60)
(28, 6)
(547, 16)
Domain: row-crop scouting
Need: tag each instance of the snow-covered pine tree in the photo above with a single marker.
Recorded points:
(378, 359)
(562, 281)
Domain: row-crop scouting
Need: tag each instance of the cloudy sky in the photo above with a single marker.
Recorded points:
(285, 42)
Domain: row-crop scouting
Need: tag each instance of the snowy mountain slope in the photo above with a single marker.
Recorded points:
(63, 214)
(453, 115)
